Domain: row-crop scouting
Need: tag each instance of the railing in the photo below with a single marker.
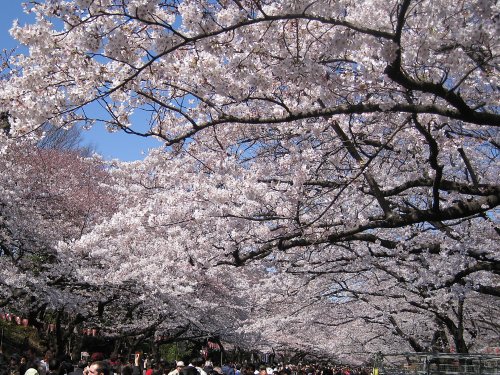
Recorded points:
(444, 364)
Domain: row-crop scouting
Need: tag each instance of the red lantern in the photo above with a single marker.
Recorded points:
(94, 331)
(8, 317)
(25, 322)
(18, 320)
(2, 316)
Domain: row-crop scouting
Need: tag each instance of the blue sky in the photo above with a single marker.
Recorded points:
(111, 146)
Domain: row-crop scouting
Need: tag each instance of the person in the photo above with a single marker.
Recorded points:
(208, 367)
(188, 370)
(97, 357)
(228, 369)
(31, 371)
(53, 367)
(29, 360)
(248, 369)
(23, 363)
(149, 368)
(49, 355)
(178, 366)
(137, 369)
(14, 365)
(126, 370)
(65, 364)
(162, 367)
(79, 368)
(97, 368)
(115, 363)
(197, 363)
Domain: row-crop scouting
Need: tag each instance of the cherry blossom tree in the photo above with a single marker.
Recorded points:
(48, 196)
(350, 146)
(152, 285)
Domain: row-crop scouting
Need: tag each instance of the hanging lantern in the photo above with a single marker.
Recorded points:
(25, 322)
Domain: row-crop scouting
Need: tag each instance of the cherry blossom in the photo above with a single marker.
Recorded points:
(327, 167)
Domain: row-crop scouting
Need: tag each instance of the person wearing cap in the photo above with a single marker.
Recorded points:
(178, 366)
(31, 371)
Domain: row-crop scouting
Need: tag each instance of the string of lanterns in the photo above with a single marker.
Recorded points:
(49, 327)
(213, 345)
(15, 319)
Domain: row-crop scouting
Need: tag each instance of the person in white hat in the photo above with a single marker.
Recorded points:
(178, 366)
(31, 371)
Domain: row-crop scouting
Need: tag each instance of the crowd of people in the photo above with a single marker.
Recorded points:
(29, 364)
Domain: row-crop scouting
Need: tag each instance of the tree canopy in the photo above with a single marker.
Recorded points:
(329, 178)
